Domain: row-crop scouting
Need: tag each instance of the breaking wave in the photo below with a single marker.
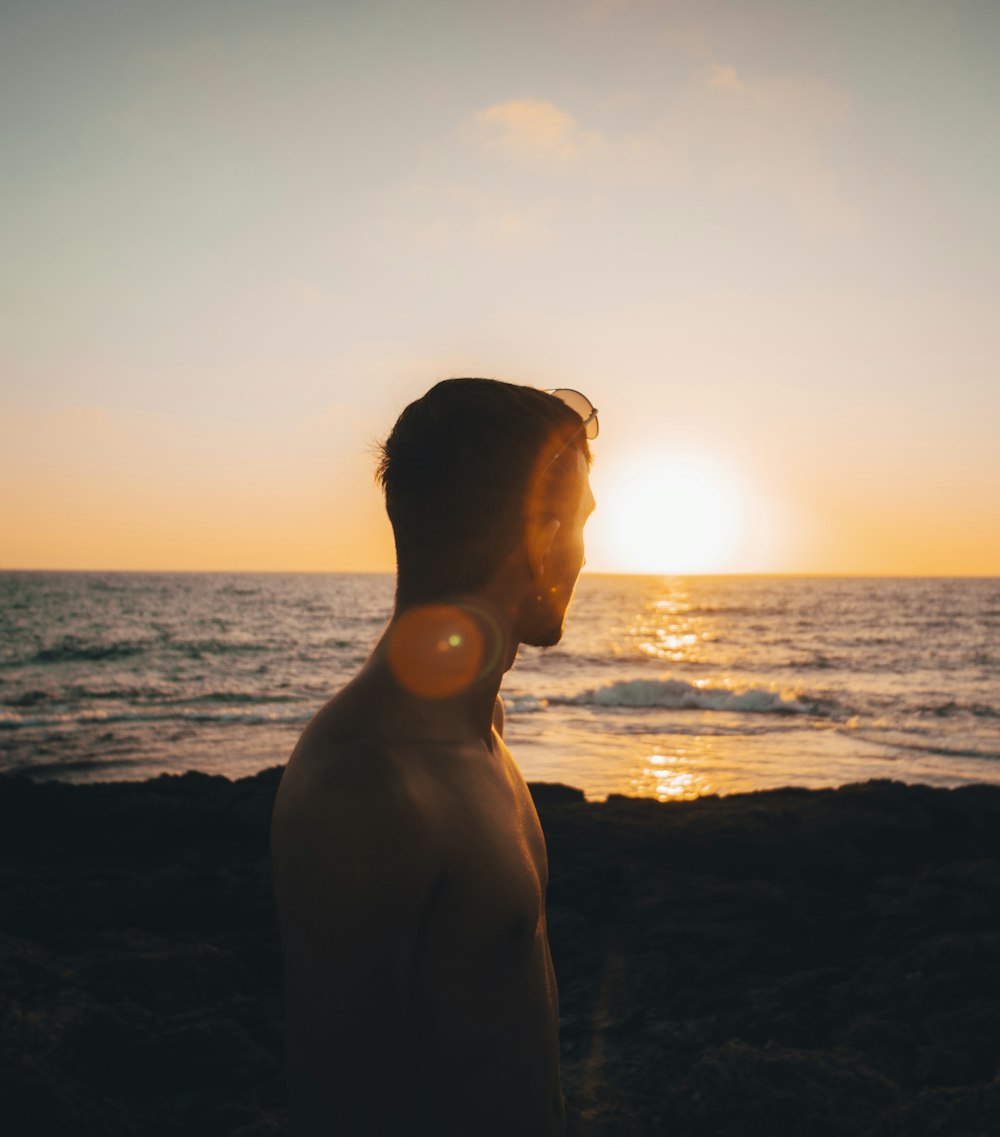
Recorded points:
(72, 650)
(674, 694)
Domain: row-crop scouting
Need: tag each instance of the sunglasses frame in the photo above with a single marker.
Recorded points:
(585, 423)
(589, 419)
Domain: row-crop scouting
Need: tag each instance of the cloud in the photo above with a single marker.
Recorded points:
(721, 78)
(726, 133)
(735, 134)
(533, 132)
(776, 136)
(808, 101)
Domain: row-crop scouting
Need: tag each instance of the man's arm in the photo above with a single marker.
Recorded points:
(354, 870)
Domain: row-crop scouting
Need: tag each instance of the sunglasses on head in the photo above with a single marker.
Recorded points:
(587, 412)
(583, 407)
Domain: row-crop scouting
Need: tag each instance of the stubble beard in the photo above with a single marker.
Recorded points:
(544, 624)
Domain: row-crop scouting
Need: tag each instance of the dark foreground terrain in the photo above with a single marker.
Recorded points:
(809, 964)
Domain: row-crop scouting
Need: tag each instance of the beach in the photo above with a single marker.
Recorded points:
(822, 962)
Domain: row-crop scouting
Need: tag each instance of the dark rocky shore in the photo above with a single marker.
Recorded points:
(809, 964)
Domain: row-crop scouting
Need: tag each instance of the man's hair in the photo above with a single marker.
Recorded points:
(464, 470)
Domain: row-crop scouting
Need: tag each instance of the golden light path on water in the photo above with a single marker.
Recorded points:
(662, 686)
(675, 776)
(668, 777)
(683, 722)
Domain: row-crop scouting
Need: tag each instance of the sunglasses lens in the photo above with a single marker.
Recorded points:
(583, 407)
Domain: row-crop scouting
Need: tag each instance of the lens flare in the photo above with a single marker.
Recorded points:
(435, 651)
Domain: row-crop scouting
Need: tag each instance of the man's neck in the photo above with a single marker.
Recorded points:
(448, 657)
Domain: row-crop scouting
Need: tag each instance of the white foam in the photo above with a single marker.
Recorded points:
(676, 694)
(523, 704)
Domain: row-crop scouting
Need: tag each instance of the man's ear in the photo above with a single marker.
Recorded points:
(539, 542)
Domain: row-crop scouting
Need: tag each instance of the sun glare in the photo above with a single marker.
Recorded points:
(671, 513)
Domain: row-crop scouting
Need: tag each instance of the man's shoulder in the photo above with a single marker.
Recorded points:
(362, 770)
(349, 816)
(332, 774)
(345, 740)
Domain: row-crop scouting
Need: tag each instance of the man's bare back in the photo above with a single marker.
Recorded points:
(409, 864)
(411, 877)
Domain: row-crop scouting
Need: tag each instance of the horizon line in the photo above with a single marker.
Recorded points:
(823, 573)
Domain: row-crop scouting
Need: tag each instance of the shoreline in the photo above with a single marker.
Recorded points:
(778, 962)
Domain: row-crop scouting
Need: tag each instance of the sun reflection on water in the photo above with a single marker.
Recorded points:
(673, 605)
(669, 628)
(668, 645)
(670, 777)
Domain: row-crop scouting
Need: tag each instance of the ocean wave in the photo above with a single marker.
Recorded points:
(12, 720)
(106, 586)
(32, 698)
(73, 766)
(237, 697)
(729, 610)
(70, 649)
(524, 704)
(903, 739)
(197, 649)
(141, 696)
(952, 708)
(818, 662)
(676, 694)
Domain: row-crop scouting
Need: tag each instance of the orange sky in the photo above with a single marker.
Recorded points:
(239, 240)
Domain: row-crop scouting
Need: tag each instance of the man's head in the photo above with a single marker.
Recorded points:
(475, 472)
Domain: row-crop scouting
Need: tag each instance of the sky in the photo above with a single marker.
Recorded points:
(238, 237)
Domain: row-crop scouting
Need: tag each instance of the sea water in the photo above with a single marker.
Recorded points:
(667, 687)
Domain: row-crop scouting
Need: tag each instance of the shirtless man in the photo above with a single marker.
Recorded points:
(410, 867)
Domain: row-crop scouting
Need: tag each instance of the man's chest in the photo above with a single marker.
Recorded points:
(486, 923)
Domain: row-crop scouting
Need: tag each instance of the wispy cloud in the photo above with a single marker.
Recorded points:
(533, 132)
(737, 134)
(722, 78)
(772, 135)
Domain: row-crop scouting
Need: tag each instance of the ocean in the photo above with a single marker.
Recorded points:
(664, 687)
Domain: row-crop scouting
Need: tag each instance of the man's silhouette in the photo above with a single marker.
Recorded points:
(410, 867)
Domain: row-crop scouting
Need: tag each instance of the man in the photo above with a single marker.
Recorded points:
(410, 867)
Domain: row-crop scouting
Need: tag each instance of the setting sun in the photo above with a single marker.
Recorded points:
(671, 513)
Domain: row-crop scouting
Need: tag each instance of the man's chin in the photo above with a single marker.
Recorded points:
(544, 637)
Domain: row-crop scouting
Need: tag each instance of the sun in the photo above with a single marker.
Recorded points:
(669, 512)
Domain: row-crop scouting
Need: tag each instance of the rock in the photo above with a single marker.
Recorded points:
(797, 962)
